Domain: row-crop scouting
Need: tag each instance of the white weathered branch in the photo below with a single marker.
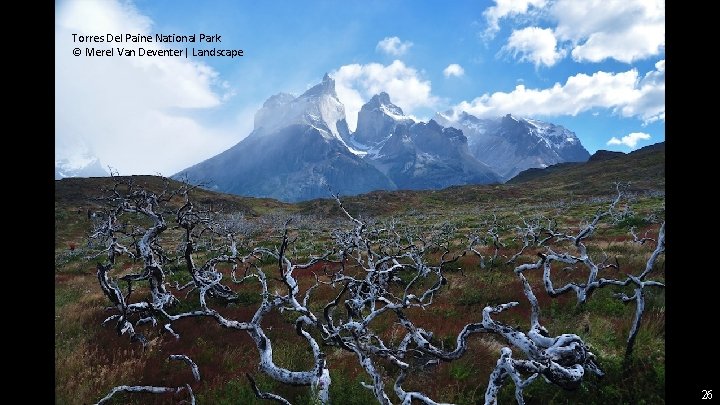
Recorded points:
(146, 389)
(379, 260)
(189, 362)
(266, 395)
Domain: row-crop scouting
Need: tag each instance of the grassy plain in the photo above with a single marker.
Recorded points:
(91, 359)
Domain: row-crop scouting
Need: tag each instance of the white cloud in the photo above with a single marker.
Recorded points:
(650, 101)
(595, 30)
(629, 140)
(536, 45)
(624, 93)
(355, 84)
(508, 8)
(453, 69)
(393, 46)
(624, 30)
(134, 113)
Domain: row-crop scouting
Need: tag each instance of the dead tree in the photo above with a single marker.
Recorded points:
(381, 270)
(127, 198)
(196, 222)
(532, 233)
(594, 281)
(563, 360)
(142, 206)
(159, 390)
(639, 284)
(375, 289)
(490, 237)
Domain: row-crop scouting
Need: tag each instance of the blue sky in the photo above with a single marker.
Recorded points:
(596, 67)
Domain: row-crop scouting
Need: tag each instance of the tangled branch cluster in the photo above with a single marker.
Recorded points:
(379, 271)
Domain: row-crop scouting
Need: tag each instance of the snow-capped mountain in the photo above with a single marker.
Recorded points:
(318, 107)
(415, 155)
(295, 152)
(301, 146)
(377, 120)
(510, 144)
(79, 166)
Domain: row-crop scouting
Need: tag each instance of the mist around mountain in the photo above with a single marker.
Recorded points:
(415, 155)
(80, 166)
(301, 148)
(295, 152)
(510, 144)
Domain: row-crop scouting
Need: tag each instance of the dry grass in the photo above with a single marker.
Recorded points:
(91, 359)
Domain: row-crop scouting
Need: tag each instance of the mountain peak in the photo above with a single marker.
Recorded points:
(326, 87)
(381, 102)
(377, 120)
(602, 154)
(510, 144)
(311, 135)
(318, 107)
(381, 98)
(434, 124)
(278, 99)
(510, 118)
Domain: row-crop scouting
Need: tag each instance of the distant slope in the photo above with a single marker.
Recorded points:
(425, 156)
(645, 168)
(73, 192)
(538, 173)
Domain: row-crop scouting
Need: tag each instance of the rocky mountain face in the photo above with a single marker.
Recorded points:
(318, 107)
(428, 156)
(301, 147)
(510, 145)
(377, 120)
(295, 152)
(415, 155)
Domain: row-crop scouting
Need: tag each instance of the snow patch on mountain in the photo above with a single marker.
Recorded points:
(318, 107)
(512, 144)
(81, 165)
(300, 145)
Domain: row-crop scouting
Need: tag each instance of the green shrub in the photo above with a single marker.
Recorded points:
(630, 221)
(461, 370)
(347, 391)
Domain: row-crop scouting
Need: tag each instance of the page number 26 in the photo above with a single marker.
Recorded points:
(707, 394)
